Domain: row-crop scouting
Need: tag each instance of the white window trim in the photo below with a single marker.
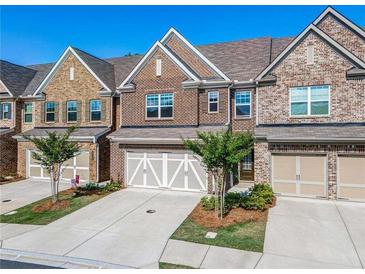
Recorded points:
(11, 110)
(235, 106)
(67, 111)
(159, 107)
(309, 101)
(46, 112)
(91, 111)
(24, 113)
(212, 92)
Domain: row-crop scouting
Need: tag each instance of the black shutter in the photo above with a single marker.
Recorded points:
(42, 112)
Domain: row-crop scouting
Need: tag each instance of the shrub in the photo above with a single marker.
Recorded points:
(263, 190)
(208, 202)
(260, 195)
(232, 200)
(112, 186)
(91, 186)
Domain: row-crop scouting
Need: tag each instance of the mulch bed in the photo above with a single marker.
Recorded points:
(50, 206)
(208, 219)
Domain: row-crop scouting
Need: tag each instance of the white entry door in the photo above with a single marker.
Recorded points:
(180, 171)
(300, 175)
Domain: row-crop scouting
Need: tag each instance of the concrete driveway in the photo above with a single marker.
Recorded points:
(308, 233)
(25, 192)
(116, 229)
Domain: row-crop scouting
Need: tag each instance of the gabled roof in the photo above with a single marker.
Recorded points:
(100, 69)
(343, 19)
(312, 28)
(172, 32)
(157, 45)
(15, 78)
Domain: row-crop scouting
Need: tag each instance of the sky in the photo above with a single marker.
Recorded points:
(40, 34)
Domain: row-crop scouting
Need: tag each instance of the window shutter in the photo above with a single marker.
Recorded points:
(204, 101)
(64, 112)
(103, 109)
(1, 111)
(87, 110)
(42, 112)
(79, 111)
(10, 110)
(56, 112)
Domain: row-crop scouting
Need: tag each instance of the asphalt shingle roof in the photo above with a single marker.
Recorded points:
(15, 77)
(312, 132)
(79, 132)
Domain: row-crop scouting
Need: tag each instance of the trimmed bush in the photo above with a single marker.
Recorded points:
(232, 200)
(260, 196)
(112, 186)
(208, 202)
(91, 186)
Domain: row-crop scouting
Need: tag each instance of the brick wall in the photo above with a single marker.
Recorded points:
(343, 35)
(213, 118)
(83, 88)
(244, 124)
(347, 97)
(8, 154)
(264, 150)
(185, 101)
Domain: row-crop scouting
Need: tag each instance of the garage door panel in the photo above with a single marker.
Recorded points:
(312, 168)
(351, 177)
(312, 190)
(35, 172)
(289, 188)
(68, 173)
(284, 168)
(82, 160)
(154, 172)
(135, 171)
(352, 193)
(83, 173)
(175, 174)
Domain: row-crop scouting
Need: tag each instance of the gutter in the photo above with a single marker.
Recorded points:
(229, 104)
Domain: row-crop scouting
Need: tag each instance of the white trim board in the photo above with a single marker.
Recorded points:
(60, 61)
(355, 60)
(171, 31)
(146, 58)
(6, 89)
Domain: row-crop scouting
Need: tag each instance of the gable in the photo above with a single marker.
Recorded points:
(179, 48)
(343, 34)
(327, 62)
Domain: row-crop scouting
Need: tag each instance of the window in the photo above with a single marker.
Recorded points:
(247, 162)
(159, 105)
(309, 101)
(28, 112)
(213, 99)
(5, 111)
(243, 104)
(50, 111)
(71, 111)
(158, 67)
(95, 110)
(72, 73)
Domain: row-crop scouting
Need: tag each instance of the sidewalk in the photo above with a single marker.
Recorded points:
(207, 256)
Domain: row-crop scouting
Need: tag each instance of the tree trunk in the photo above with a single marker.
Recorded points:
(53, 185)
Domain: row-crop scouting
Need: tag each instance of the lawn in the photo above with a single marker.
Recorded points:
(174, 266)
(249, 235)
(27, 214)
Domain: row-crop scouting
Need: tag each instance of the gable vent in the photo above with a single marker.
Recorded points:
(72, 73)
(310, 54)
(158, 67)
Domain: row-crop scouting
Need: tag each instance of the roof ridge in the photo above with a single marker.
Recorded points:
(85, 52)
(244, 40)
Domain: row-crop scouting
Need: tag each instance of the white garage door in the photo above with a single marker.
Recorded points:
(299, 175)
(351, 177)
(78, 165)
(180, 171)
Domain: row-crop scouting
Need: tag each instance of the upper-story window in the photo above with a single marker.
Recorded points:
(50, 111)
(213, 101)
(309, 101)
(159, 105)
(71, 111)
(5, 111)
(28, 112)
(243, 104)
(95, 110)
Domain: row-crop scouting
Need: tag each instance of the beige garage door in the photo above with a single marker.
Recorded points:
(351, 177)
(299, 175)
(78, 165)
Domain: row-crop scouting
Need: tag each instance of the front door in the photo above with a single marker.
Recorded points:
(247, 168)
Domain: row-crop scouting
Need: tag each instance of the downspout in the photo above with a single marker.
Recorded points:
(97, 162)
(229, 104)
(257, 103)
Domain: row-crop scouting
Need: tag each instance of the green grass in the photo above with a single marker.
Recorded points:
(246, 236)
(25, 215)
(174, 266)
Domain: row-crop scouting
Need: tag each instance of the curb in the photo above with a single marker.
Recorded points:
(56, 260)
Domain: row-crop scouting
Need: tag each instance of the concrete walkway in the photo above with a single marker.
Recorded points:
(208, 256)
(24, 192)
(309, 233)
(116, 229)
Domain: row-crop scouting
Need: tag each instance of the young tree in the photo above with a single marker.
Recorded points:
(220, 153)
(54, 150)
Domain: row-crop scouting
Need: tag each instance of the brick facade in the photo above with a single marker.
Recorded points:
(244, 124)
(8, 154)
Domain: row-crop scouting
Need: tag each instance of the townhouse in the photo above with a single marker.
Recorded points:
(303, 98)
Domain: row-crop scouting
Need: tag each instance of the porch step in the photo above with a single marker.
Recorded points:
(241, 187)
